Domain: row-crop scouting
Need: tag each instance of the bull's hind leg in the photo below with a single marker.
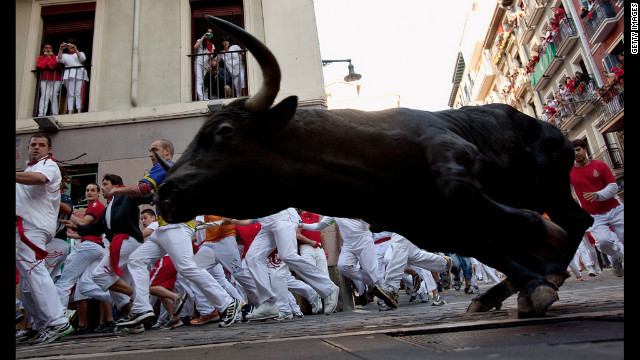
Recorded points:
(524, 238)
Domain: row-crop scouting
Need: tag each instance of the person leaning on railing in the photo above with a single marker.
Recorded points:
(50, 80)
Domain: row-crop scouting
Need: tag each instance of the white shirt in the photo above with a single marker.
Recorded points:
(350, 228)
(38, 205)
(77, 59)
(289, 214)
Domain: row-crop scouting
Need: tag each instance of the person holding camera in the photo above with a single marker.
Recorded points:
(203, 47)
(75, 74)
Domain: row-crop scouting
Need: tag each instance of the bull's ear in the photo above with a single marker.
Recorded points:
(283, 112)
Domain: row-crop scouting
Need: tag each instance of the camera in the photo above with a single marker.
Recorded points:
(209, 35)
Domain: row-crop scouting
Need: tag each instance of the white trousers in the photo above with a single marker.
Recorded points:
(606, 240)
(358, 261)
(49, 93)
(284, 283)
(405, 253)
(316, 256)
(38, 293)
(282, 235)
(77, 262)
(175, 240)
(74, 93)
(104, 275)
(381, 250)
(202, 305)
(58, 250)
(227, 255)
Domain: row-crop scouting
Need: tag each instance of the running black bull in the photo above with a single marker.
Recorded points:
(472, 181)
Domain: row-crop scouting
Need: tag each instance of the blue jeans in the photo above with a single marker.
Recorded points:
(458, 262)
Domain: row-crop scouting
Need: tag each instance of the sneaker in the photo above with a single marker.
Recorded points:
(21, 334)
(298, 314)
(413, 297)
(134, 319)
(179, 303)
(417, 281)
(27, 335)
(130, 330)
(316, 305)
(384, 307)
(471, 290)
(230, 313)
(385, 296)
(284, 316)
(331, 301)
(424, 296)
(107, 328)
(246, 310)
(172, 324)
(205, 319)
(81, 330)
(592, 272)
(53, 333)
(264, 312)
(437, 300)
(457, 284)
(579, 278)
(617, 268)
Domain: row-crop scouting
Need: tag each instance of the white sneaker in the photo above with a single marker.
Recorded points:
(331, 301)
(617, 268)
(284, 316)
(316, 305)
(264, 312)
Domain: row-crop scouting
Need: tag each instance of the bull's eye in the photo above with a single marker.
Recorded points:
(225, 130)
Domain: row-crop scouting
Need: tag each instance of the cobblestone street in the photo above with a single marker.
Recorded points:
(587, 322)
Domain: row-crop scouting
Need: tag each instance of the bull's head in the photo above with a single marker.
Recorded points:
(223, 161)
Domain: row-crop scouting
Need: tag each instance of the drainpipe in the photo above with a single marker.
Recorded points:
(134, 55)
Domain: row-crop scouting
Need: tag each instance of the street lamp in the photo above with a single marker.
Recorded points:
(352, 76)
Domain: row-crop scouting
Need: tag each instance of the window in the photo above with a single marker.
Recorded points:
(80, 176)
(62, 23)
(232, 11)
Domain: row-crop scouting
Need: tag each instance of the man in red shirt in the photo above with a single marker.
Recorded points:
(90, 249)
(596, 190)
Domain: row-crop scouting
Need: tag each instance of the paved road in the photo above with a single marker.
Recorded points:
(586, 323)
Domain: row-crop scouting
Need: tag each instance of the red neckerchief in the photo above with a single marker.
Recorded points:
(40, 254)
(114, 252)
(45, 159)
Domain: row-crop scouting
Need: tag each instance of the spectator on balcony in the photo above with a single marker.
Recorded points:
(75, 75)
(609, 77)
(583, 12)
(558, 14)
(202, 47)
(218, 81)
(233, 60)
(50, 73)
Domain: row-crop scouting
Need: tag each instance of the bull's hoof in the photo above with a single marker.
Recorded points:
(482, 303)
(535, 303)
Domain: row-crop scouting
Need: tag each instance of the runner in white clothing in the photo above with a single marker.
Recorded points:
(37, 205)
(357, 247)
(279, 231)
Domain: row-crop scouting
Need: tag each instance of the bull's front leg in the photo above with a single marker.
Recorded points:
(492, 298)
(525, 239)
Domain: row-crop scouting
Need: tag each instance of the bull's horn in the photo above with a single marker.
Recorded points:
(263, 99)
(165, 165)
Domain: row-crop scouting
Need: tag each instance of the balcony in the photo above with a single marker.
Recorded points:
(51, 97)
(224, 76)
(566, 37)
(601, 21)
(546, 67)
(534, 9)
(610, 110)
(484, 80)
